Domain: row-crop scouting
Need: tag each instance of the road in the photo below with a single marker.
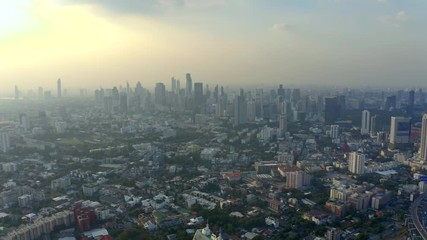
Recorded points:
(416, 218)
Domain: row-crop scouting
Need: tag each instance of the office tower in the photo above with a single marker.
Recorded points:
(341, 102)
(411, 102)
(59, 88)
(283, 125)
(24, 122)
(281, 92)
(173, 85)
(189, 85)
(240, 109)
(332, 109)
(296, 95)
(366, 122)
(400, 131)
(198, 92)
(216, 93)
(40, 93)
(123, 103)
(178, 86)
(334, 131)
(116, 96)
(108, 104)
(390, 103)
(259, 104)
(374, 127)
(16, 93)
(423, 145)
(128, 91)
(160, 94)
(356, 163)
(199, 100)
(5, 142)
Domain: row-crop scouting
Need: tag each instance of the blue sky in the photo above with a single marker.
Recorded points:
(236, 42)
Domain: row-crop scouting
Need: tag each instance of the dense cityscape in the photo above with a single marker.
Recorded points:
(194, 161)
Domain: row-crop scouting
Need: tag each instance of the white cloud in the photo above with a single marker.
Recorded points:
(204, 3)
(395, 20)
(281, 27)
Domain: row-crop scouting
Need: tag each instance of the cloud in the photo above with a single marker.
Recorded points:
(382, 1)
(204, 3)
(148, 6)
(394, 20)
(281, 27)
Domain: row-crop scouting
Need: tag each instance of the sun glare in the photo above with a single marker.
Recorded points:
(14, 16)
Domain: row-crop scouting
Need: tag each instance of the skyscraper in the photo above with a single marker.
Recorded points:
(5, 142)
(374, 126)
(16, 92)
(400, 131)
(423, 145)
(366, 122)
(198, 92)
(173, 85)
(259, 103)
(411, 102)
(356, 163)
(283, 125)
(59, 88)
(123, 103)
(198, 97)
(332, 109)
(189, 84)
(240, 109)
(160, 94)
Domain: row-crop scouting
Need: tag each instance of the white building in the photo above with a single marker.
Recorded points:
(356, 163)
(366, 122)
(423, 145)
(334, 132)
(5, 142)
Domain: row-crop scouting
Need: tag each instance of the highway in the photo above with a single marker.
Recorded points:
(416, 218)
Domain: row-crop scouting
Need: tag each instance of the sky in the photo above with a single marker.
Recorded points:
(102, 43)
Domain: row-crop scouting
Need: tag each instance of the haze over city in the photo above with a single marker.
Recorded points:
(106, 43)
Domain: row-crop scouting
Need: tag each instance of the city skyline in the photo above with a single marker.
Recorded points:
(327, 42)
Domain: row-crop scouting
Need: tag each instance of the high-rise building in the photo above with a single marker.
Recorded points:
(366, 122)
(390, 103)
(259, 103)
(423, 145)
(281, 92)
(59, 88)
(198, 92)
(123, 103)
(5, 142)
(332, 109)
(160, 94)
(240, 109)
(108, 104)
(334, 131)
(297, 179)
(199, 100)
(173, 85)
(40, 93)
(400, 131)
(356, 163)
(189, 85)
(283, 125)
(16, 92)
(411, 102)
(374, 126)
